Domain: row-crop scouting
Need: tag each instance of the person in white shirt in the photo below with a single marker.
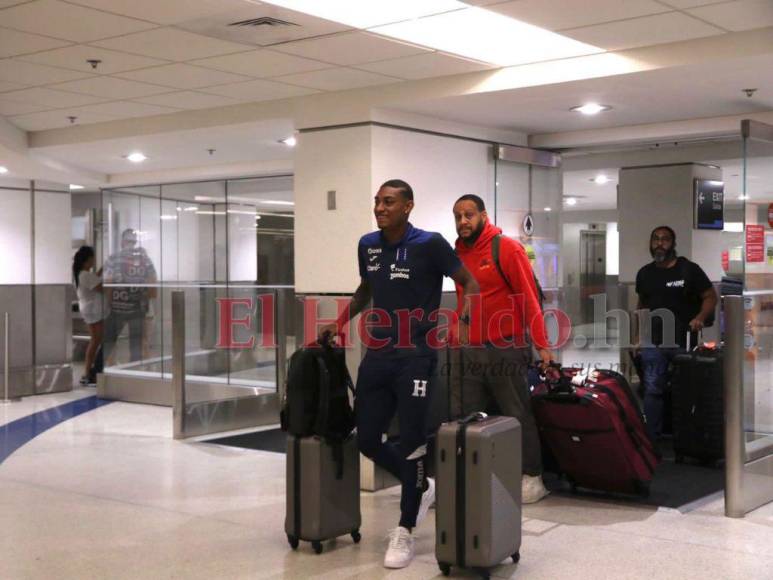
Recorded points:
(91, 303)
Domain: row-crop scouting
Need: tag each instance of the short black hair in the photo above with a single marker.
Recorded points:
(474, 199)
(668, 229)
(405, 189)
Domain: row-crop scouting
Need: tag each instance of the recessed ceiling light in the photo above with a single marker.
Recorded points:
(570, 201)
(600, 179)
(590, 109)
(74, 187)
(290, 141)
(547, 209)
(276, 202)
(136, 157)
(3, 169)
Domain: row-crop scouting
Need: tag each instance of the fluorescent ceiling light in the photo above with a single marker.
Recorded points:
(276, 202)
(73, 186)
(590, 109)
(136, 157)
(743, 197)
(547, 209)
(363, 14)
(192, 208)
(290, 141)
(3, 169)
(241, 211)
(168, 217)
(601, 179)
(210, 213)
(736, 227)
(570, 201)
(486, 36)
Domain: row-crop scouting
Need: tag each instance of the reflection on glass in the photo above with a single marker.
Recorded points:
(227, 245)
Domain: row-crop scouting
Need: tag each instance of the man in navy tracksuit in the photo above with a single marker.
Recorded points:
(402, 270)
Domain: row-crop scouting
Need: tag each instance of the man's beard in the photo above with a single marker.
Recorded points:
(475, 234)
(661, 256)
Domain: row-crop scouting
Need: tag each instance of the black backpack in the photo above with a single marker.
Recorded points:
(317, 394)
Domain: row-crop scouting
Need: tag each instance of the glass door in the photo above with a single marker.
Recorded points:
(749, 372)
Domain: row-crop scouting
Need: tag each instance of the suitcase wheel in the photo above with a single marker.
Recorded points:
(516, 557)
(317, 546)
(483, 573)
(445, 569)
(293, 541)
(356, 536)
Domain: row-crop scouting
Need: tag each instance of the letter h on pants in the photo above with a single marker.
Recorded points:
(385, 386)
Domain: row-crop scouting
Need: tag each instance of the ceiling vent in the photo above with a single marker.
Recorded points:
(263, 21)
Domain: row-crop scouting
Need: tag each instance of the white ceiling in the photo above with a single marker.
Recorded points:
(591, 195)
(233, 144)
(709, 90)
(164, 56)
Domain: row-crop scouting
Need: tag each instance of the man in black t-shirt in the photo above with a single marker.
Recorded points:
(675, 297)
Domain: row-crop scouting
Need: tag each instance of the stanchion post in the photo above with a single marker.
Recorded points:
(178, 363)
(7, 363)
(735, 439)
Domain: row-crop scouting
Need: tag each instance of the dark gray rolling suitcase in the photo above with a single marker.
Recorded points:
(478, 501)
(698, 404)
(323, 490)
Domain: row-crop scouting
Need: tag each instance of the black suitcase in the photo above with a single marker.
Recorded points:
(697, 404)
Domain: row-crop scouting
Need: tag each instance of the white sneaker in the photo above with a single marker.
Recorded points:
(427, 500)
(400, 551)
(532, 489)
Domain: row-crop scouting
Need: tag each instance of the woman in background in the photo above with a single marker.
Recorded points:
(91, 304)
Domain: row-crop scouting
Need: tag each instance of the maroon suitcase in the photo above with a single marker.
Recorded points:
(595, 431)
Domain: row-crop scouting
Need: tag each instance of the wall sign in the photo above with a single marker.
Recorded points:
(770, 215)
(528, 225)
(709, 204)
(755, 243)
(726, 261)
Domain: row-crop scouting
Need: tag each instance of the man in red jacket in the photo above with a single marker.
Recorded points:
(508, 319)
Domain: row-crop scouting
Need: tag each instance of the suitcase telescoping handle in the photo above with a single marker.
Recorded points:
(698, 342)
(473, 418)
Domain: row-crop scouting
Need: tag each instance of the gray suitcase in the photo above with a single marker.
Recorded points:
(323, 494)
(478, 509)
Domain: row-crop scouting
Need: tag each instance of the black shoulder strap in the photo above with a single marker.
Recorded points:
(321, 425)
(495, 255)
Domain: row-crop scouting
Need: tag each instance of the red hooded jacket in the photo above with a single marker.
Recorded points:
(504, 306)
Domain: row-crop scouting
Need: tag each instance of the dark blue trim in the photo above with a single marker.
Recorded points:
(16, 433)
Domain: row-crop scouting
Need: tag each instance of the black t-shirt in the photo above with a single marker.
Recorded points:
(677, 289)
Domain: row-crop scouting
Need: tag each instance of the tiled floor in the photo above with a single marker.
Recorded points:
(109, 494)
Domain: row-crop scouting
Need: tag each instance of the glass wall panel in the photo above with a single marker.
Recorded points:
(527, 190)
(229, 246)
(132, 250)
(757, 194)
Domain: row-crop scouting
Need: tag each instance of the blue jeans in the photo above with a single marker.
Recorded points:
(655, 363)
